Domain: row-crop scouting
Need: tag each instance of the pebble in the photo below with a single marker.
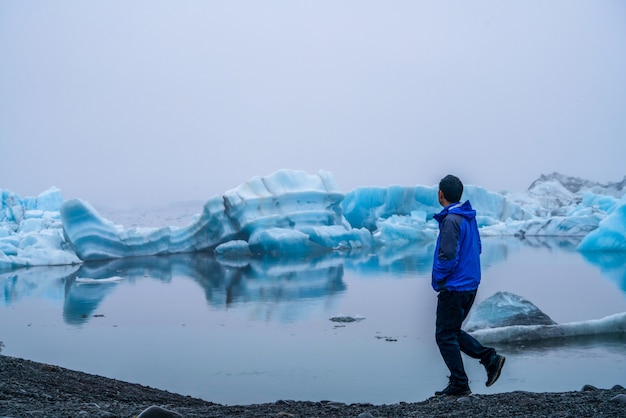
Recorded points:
(464, 399)
(335, 404)
(34, 390)
(158, 412)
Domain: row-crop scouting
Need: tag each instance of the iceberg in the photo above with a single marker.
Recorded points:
(289, 212)
(31, 232)
(508, 318)
(610, 234)
(612, 324)
(505, 309)
(296, 213)
(94, 238)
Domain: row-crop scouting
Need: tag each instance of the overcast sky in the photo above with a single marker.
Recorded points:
(148, 102)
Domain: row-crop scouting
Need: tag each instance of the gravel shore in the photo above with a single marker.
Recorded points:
(30, 389)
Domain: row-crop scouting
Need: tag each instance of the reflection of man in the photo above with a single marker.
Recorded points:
(456, 276)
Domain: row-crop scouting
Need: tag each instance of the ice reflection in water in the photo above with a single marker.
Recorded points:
(247, 331)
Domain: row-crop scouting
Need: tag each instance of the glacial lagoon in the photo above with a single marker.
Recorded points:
(250, 331)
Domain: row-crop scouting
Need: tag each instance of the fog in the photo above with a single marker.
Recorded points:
(149, 102)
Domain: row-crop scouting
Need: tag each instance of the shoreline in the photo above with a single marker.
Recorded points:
(33, 389)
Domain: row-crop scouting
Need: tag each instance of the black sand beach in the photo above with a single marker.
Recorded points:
(30, 389)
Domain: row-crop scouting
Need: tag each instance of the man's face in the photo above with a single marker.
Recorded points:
(441, 198)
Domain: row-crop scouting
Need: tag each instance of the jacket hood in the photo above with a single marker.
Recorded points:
(464, 209)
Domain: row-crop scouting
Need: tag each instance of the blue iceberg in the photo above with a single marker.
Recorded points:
(610, 234)
(297, 213)
(290, 212)
(31, 232)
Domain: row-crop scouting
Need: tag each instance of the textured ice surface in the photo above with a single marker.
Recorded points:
(295, 213)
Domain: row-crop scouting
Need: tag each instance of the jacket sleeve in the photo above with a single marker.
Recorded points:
(447, 257)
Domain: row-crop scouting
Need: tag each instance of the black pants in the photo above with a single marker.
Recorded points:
(452, 309)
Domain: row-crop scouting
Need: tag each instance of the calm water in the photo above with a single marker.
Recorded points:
(237, 333)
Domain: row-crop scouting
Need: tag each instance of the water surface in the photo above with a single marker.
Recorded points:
(237, 332)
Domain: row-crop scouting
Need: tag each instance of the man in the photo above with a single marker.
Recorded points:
(456, 276)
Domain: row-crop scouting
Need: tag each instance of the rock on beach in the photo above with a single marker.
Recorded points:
(31, 389)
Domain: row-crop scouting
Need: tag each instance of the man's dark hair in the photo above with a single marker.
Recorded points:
(452, 188)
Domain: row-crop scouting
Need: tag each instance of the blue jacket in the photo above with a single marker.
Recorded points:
(456, 264)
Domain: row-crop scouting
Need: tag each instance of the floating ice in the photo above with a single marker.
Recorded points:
(611, 233)
(290, 212)
(613, 324)
(506, 317)
(30, 231)
(94, 238)
(295, 213)
(505, 309)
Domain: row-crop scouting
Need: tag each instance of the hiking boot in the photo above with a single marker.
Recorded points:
(493, 368)
(454, 389)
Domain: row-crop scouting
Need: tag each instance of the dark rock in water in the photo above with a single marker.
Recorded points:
(343, 318)
(505, 309)
(158, 412)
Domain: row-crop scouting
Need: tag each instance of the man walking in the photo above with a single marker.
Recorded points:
(456, 276)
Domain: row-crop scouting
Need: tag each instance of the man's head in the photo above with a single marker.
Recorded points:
(450, 190)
